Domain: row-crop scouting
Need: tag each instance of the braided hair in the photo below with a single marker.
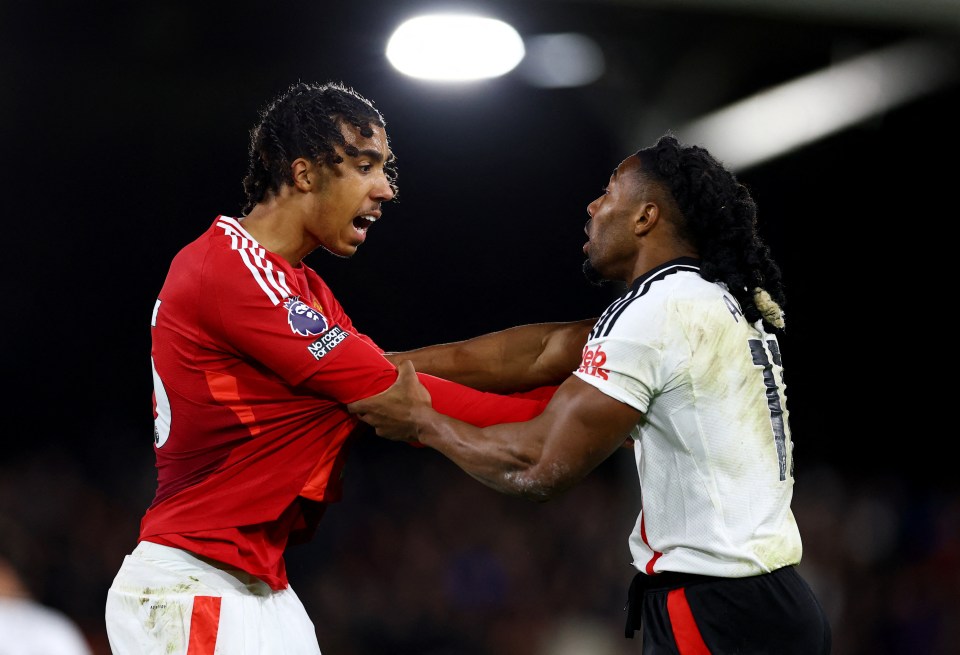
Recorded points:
(719, 217)
(305, 121)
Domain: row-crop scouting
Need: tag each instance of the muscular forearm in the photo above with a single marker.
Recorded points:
(536, 458)
(504, 457)
(515, 359)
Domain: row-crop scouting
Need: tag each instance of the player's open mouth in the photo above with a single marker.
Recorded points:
(363, 223)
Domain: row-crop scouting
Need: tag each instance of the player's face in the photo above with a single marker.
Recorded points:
(348, 201)
(611, 246)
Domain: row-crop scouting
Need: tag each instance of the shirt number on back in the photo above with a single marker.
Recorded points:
(762, 359)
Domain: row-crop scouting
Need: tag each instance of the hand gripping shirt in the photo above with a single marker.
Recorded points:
(253, 362)
(713, 449)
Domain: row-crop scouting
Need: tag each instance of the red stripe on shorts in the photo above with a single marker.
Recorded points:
(685, 630)
(204, 624)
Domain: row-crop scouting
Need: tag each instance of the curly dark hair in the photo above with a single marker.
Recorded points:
(305, 121)
(719, 217)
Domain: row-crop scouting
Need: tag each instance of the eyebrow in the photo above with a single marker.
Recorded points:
(372, 153)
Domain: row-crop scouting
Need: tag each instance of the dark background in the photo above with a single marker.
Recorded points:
(124, 129)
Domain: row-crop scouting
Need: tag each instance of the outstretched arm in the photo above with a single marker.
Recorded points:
(355, 369)
(511, 360)
(537, 459)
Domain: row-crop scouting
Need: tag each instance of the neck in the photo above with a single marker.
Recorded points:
(276, 228)
(649, 260)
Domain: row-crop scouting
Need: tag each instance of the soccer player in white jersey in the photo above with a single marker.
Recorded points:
(686, 364)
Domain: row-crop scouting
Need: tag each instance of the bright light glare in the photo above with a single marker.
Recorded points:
(794, 114)
(454, 48)
(563, 60)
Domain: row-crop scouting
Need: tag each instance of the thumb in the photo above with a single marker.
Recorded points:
(405, 371)
(408, 381)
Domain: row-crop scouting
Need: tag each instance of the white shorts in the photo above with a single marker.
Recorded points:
(165, 601)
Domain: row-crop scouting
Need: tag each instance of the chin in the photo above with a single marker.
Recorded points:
(593, 276)
(342, 253)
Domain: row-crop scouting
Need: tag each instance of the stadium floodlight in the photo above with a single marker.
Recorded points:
(786, 117)
(454, 47)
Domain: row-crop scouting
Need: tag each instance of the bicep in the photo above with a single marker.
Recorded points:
(563, 350)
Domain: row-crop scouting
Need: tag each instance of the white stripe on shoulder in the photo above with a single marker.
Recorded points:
(272, 281)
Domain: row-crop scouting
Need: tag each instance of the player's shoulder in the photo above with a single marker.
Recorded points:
(671, 293)
(690, 288)
(226, 239)
(696, 300)
(213, 239)
(225, 246)
(700, 307)
(223, 256)
(678, 280)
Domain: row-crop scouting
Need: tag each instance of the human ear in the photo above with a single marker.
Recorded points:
(304, 175)
(647, 217)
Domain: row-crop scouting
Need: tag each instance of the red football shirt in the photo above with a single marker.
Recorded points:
(253, 363)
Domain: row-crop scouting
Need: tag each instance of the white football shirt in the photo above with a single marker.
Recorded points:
(713, 449)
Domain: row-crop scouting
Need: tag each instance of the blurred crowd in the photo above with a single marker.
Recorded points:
(420, 559)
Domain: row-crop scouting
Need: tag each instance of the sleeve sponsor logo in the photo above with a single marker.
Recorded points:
(593, 361)
(304, 319)
(327, 342)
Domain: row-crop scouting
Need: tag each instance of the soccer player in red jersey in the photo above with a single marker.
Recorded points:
(254, 361)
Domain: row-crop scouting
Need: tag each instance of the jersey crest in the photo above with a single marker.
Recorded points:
(304, 319)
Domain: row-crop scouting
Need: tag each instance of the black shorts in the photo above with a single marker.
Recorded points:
(774, 613)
